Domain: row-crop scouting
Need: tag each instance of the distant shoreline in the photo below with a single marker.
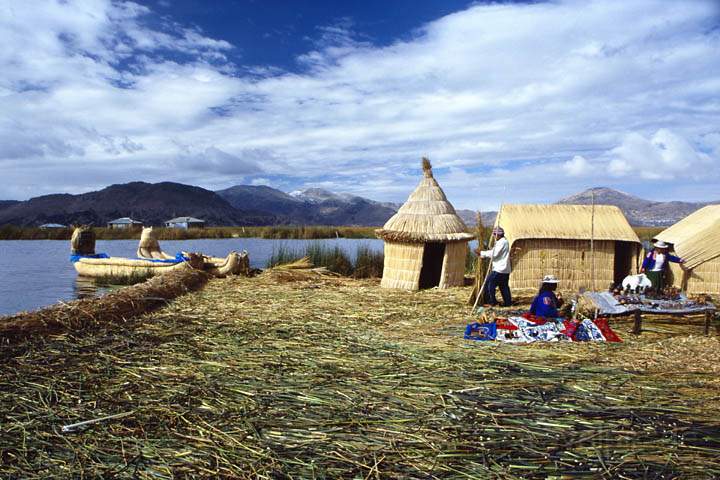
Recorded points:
(277, 232)
(280, 232)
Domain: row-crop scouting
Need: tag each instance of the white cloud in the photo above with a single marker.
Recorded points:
(664, 155)
(503, 93)
(578, 166)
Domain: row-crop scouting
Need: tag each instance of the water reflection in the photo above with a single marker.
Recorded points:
(85, 287)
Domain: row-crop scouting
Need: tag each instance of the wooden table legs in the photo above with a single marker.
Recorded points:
(637, 328)
(708, 319)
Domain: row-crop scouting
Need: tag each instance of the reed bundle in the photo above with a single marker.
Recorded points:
(115, 307)
(250, 378)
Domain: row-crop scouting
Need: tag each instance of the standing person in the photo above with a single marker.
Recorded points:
(546, 303)
(656, 263)
(500, 274)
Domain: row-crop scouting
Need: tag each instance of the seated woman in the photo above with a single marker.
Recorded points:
(546, 304)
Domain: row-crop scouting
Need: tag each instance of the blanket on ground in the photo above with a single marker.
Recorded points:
(537, 329)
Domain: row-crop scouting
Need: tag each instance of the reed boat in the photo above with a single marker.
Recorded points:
(234, 264)
(103, 266)
(90, 264)
(151, 259)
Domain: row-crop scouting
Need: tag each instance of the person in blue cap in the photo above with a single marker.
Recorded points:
(547, 303)
(500, 274)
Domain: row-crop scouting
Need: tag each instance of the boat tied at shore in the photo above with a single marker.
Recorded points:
(151, 259)
(235, 263)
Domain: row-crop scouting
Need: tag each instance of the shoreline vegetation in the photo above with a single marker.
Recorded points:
(277, 232)
(367, 263)
(318, 376)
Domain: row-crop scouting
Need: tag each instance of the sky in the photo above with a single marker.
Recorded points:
(512, 102)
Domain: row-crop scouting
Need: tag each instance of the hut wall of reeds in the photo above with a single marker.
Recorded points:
(696, 239)
(425, 241)
(556, 239)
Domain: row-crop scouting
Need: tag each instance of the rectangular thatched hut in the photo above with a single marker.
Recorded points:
(556, 239)
(696, 239)
(425, 241)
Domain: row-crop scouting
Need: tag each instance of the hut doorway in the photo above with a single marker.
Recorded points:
(433, 256)
(625, 253)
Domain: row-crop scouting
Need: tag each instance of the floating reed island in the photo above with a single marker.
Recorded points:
(300, 372)
(310, 375)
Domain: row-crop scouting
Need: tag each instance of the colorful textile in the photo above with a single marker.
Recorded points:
(569, 328)
(587, 331)
(481, 331)
(534, 318)
(529, 329)
(505, 324)
(75, 258)
(604, 325)
(179, 257)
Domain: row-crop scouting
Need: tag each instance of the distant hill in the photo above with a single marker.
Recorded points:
(262, 205)
(150, 203)
(314, 206)
(282, 207)
(7, 203)
(639, 212)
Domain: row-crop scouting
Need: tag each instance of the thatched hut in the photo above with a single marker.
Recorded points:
(696, 238)
(425, 241)
(556, 239)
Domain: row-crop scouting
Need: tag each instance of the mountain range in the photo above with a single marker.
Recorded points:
(314, 206)
(261, 205)
(638, 211)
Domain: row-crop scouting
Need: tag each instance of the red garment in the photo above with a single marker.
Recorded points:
(570, 328)
(604, 325)
(534, 318)
(504, 324)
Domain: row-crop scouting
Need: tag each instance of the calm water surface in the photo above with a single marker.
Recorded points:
(36, 273)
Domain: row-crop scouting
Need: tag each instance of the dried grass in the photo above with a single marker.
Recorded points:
(338, 378)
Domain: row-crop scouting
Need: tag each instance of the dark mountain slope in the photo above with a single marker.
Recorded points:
(149, 203)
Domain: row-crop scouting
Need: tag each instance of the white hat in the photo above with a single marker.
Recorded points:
(550, 279)
(661, 244)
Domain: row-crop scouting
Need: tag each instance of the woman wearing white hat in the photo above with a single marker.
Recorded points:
(546, 303)
(656, 262)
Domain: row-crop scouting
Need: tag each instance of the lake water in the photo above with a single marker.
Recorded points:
(36, 273)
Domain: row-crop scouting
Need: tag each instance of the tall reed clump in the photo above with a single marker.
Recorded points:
(474, 264)
(333, 258)
(367, 264)
(283, 254)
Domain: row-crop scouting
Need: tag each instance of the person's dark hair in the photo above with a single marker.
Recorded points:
(547, 287)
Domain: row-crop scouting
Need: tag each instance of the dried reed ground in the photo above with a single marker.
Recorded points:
(331, 378)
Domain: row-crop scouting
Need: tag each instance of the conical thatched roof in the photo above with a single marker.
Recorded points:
(427, 216)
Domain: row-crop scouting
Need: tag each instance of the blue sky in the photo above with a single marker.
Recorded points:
(513, 102)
